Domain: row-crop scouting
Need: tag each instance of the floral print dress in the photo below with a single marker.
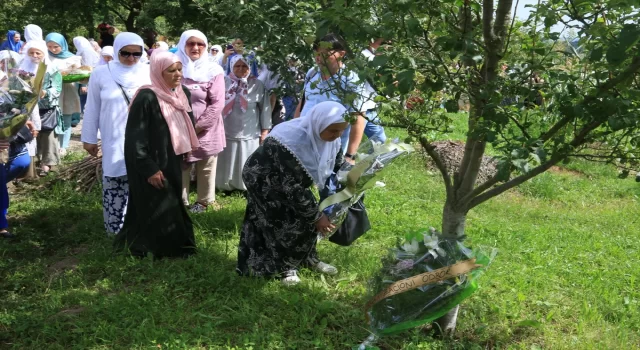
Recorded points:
(278, 233)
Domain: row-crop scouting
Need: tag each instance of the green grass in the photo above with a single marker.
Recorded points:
(566, 276)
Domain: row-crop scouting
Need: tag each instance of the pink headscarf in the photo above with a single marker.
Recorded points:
(238, 89)
(174, 104)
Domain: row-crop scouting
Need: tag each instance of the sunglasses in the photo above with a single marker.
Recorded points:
(191, 43)
(216, 50)
(127, 54)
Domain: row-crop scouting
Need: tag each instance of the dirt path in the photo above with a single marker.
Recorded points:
(76, 145)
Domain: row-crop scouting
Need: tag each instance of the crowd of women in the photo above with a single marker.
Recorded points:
(157, 121)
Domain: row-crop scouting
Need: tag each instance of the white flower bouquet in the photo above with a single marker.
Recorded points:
(19, 95)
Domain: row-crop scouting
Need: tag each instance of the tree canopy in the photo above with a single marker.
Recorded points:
(537, 96)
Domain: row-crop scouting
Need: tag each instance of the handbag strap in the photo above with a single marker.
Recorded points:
(124, 94)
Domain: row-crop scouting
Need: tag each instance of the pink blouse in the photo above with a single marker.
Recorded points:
(207, 101)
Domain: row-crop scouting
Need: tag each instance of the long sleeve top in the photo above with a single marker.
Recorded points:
(207, 102)
(106, 111)
(241, 126)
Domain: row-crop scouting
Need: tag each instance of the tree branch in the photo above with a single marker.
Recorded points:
(115, 12)
(577, 141)
(502, 13)
(439, 164)
(608, 85)
(522, 128)
(487, 20)
(513, 21)
(464, 201)
(471, 173)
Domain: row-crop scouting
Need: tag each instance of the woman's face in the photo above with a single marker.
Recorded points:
(333, 131)
(214, 51)
(238, 45)
(173, 75)
(53, 47)
(195, 48)
(130, 55)
(240, 69)
(329, 59)
(36, 55)
(107, 58)
(16, 37)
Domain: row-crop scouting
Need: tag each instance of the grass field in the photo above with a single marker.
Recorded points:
(566, 277)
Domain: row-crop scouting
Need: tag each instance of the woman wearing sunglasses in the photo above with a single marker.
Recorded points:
(205, 81)
(215, 55)
(111, 88)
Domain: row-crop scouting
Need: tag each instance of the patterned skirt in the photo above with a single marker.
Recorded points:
(115, 195)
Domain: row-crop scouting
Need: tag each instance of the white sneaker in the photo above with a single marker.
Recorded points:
(323, 267)
(290, 278)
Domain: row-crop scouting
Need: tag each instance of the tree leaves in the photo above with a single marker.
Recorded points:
(626, 40)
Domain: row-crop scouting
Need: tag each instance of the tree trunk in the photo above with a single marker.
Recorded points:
(446, 325)
(453, 222)
(134, 12)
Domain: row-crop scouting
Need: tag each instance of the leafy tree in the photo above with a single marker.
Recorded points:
(445, 49)
(589, 100)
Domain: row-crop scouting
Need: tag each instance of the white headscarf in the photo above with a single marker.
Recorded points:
(84, 48)
(201, 70)
(106, 51)
(32, 32)
(162, 46)
(27, 64)
(217, 58)
(129, 77)
(301, 136)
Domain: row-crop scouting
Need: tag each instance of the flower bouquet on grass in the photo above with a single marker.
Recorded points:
(354, 179)
(421, 280)
(19, 95)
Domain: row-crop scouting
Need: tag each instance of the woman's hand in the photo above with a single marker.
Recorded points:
(83, 90)
(90, 148)
(43, 93)
(324, 225)
(157, 180)
(32, 128)
(263, 135)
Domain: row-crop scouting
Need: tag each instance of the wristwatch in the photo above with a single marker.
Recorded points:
(349, 155)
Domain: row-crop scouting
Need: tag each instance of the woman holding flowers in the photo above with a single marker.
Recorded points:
(282, 220)
(48, 106)
(64, 60)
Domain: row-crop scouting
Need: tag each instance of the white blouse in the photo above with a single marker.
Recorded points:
(106, 112)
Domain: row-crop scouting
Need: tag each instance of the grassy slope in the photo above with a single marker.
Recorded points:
(566, 276)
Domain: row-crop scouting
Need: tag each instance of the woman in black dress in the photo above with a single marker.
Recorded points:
(282, 220)
(159, 134)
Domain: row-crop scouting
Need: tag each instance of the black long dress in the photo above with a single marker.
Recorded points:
(156, 221)
(278, 233)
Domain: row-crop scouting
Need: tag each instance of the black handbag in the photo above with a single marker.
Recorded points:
(354, 226)
(48, 119)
